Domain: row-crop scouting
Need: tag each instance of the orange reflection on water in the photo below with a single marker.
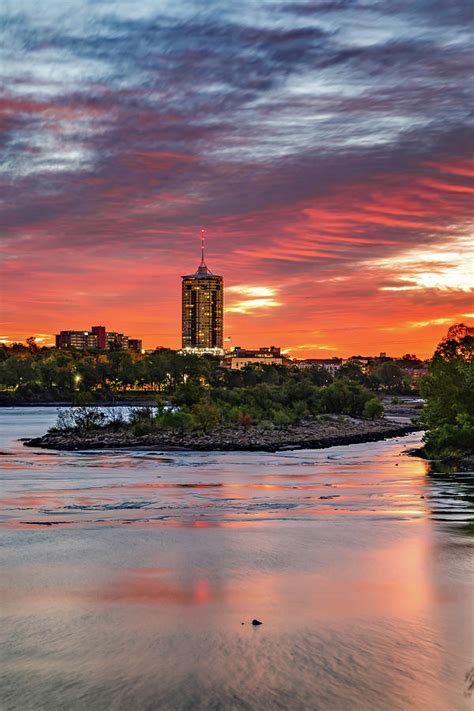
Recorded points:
(392, 581)
(156, 587)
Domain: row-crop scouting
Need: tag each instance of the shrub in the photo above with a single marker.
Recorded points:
(178, 421)
(140, 414)
(245, 420)
(281, 418)
(345, 397)
(83, 419)
(206, 416)
(143, 427)
(450, 439)
(373, 408)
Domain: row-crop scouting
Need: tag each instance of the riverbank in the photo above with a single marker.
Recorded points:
(136, 401)
(325, 431)
(448, 464)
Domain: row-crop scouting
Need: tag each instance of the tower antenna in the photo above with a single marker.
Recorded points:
(202, 248)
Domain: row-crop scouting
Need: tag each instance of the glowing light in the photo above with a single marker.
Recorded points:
(248, 290)
(311, 347)
(431, 322)
(255, 297)
(444, 267)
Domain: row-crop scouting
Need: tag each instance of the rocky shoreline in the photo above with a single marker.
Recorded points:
(317, 433)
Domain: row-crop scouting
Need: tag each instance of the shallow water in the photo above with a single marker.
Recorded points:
(127, 575)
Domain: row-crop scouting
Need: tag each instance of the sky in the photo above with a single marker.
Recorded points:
(324, 145)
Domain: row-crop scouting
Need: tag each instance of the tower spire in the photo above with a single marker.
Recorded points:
(203, 263)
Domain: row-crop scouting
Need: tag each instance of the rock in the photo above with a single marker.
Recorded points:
(307, 434)
(256, 622)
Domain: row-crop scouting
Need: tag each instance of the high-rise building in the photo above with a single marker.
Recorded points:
(203, 310)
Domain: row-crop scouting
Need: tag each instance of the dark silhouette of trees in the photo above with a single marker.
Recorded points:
(449, 392)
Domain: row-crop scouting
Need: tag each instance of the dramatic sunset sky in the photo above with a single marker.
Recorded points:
(323, 145)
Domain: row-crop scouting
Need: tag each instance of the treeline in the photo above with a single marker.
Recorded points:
(449, 392)
(30, 375)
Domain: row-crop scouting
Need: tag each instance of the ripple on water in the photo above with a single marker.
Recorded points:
(132, 578)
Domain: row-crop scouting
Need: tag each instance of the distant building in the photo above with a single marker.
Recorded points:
(202, 310)
(81, 340)
(332, 365)
(135, 344)
(101, 334)
(98, 337)
(117, 341)
(238, 358)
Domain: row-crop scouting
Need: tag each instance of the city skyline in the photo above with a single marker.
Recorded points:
(323, 149)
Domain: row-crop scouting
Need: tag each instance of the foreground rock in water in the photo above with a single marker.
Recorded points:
(312, 434)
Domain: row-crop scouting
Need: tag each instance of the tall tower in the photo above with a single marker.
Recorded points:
(203, 310)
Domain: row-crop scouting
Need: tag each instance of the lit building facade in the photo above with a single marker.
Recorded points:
(98, 337)
(81, 340)
(202, 311)
(332, 365)
(239, 358)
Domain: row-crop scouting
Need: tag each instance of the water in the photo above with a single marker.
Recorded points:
(126, 577)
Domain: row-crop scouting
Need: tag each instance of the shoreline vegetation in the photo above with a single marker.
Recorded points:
(315, 433)
(198, 404)
(448, 414)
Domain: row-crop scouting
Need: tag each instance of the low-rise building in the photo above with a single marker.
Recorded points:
(117, 341)
(135, 344)
(332, 365)
(98, 337)
(239, 358)
(81, 340)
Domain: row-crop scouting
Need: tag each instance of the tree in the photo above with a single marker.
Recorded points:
(15, 372)
(389, 375)
(31, 343)
(373, 408)
(178, 421)
(345, 397)
(449, 392)
(206, 416)
(189, 393)
(351, 371)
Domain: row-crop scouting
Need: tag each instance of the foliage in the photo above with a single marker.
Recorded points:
(449, 392)
(373, 408)
(451, 438)
(82, 419)
(194, 393)
(390, 376)
(206, 416)
(177, 422)
(345, 397)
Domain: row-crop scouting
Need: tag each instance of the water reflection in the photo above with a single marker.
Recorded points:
(131, 579)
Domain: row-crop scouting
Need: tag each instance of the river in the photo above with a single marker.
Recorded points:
(130, 578)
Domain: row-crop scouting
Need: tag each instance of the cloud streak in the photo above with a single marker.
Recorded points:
(319, 142)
